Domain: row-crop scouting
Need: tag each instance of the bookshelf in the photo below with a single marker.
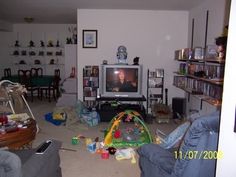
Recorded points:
(155, 88)
(90, 85)
(202, 77)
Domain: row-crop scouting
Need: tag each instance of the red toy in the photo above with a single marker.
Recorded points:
(117, 134)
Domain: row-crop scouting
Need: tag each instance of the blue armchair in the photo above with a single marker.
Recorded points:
(194, 158)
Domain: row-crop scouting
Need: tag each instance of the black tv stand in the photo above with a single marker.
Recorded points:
(107, 109)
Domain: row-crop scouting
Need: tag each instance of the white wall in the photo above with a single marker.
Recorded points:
(227, 139)
(216, 22)
(151, 35)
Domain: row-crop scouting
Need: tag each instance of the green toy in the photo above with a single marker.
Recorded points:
(127, 129)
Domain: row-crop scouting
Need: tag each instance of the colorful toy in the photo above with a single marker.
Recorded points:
(75, 140)
(92, 147)
(136, 134)
(123, 154)
(105, 154)
(111, 150)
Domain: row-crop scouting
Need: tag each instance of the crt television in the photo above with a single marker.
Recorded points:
(121, 81)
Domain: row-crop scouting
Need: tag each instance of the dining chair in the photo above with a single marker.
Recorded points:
(25, 78)
(36, 72)
(56, 83)
(7, 72)
(52, 87)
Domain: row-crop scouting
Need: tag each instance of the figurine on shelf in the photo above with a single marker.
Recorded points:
(50, 43)
(23, 52)
(68, 41)
(42, 44)
(136, 61)
(31, 43)
(32, 53)
(41, 53)
(17, 43)
(59, 53)
(16, 52)
(52, 62)
(58, 44)
(122, 54)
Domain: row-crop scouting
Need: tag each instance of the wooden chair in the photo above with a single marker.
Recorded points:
(25, 78)
(56, 83)
(7, 72)
(37, 72)
(53, 87)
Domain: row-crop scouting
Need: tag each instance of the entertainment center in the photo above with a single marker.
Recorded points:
(119, 86)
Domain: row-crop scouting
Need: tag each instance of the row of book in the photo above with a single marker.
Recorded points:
(90, 82)
(198, 86)
(91, 71)
(197, 53)
(209, 71)
(90, 92)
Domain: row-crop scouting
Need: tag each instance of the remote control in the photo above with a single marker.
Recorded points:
(43, 147)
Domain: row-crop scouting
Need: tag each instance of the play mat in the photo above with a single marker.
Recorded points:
(127, 129)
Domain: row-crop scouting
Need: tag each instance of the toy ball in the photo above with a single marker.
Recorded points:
(111, 150)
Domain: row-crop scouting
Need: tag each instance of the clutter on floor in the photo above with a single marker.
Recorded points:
(125, 132)
(68, 115)
(127, 129)
(99, 148)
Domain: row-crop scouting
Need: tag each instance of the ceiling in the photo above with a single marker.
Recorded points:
(65, 11)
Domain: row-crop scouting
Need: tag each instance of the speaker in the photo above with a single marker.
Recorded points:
(178, 107)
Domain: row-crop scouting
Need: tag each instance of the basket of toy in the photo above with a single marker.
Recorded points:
(161, 112)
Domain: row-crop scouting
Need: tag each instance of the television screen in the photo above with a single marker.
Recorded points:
(121, 79)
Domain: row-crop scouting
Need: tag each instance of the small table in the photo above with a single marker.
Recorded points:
(21, 138)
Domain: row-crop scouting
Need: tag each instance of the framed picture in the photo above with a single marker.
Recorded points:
(90, 38)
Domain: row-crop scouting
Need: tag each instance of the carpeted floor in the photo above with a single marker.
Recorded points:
(77, 161)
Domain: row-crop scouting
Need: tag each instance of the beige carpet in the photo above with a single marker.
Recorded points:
(81, 162)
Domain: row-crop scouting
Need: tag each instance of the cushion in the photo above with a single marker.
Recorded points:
(158, 156)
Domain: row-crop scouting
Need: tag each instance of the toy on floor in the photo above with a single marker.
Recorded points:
(105, 154)
(127, 129)
(123, 154)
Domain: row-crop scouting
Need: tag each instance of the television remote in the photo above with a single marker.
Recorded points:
(43, 147)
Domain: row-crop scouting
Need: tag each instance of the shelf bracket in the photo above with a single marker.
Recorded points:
(188, 97)
(201, 104)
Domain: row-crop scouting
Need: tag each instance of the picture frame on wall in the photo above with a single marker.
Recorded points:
(90, 38)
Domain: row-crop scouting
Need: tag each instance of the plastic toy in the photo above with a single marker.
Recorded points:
(136, 134)
(105, 155)
(111, 150)
(92, 147)
(126, 154)
(75, 140)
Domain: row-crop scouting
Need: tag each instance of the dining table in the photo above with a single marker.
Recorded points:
(43, 82)
(40, 81)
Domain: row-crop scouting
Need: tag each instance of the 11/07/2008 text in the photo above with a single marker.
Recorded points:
(207, 155)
